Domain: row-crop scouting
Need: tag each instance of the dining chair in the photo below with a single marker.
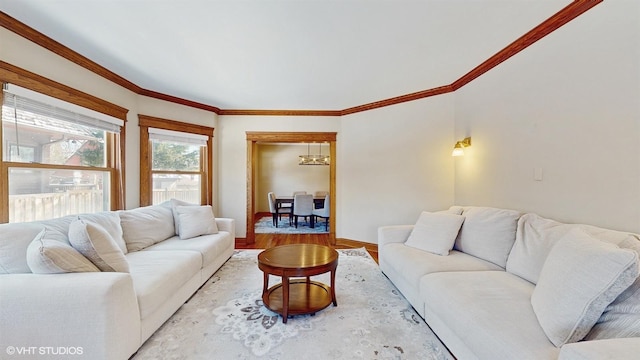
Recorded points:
(319, 194)
(302, 206)
(323, 213)
(277, 213)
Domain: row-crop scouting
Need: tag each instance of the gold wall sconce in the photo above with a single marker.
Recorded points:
(458, 149)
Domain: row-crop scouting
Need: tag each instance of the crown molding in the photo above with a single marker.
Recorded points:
(281, 112)
(562, 17)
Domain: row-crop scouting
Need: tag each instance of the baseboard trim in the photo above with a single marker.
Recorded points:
(356, 244)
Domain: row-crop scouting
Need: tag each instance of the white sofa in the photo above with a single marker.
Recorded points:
(100, 314)
(518, 286)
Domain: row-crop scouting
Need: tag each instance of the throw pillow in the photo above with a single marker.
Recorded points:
(196, 221)
(621, 319)
(95, 243)
(48, 256)
(174, 209)
(581, 276)
(110, 221)
(435, 232)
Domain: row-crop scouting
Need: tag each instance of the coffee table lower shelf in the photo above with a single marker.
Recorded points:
(304, 297)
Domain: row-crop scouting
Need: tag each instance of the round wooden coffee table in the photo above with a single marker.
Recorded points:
(298, 296)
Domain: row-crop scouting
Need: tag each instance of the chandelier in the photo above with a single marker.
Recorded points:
(313, 159)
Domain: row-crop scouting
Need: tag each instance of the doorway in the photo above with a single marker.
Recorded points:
(254, 138)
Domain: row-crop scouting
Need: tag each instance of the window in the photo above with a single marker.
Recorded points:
(58, 158)
(175, 163)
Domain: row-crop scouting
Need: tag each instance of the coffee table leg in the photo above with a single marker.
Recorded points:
(285, 299)
(266, 284)
(333, 287)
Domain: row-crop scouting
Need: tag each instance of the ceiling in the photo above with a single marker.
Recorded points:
(285, 54)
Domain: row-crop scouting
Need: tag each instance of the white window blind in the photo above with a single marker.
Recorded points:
(177, 137)
(34, 109)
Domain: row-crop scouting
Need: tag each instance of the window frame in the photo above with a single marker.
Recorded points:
(146, 167)
(114, 143)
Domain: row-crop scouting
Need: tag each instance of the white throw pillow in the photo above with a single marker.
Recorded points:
(95, 243)
(621, 319)
(110, 221)
(174, 209)
(145, 226)
(49, 256)
(196, 220)
(581, 276)
(435, 232)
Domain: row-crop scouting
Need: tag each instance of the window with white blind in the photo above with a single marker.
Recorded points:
(59, 157)
(177, 162)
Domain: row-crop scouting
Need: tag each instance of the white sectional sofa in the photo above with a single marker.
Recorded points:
(56, 300)
(499, 284)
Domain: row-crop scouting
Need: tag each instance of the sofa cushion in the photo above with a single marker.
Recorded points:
(95, 243)
(488, 233)
(435, 232)
(487, 311)
(405, 266)
(534, 239)
(537, 235)
(569, 298)
(157, 275)
(196, 220)
(621, 319)
(14, 241)
(209, 246)
(146, 226)
(49, 256)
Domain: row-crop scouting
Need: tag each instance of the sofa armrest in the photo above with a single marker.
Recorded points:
(95, 313)
(227, 224)
(619, 349)
(393, 234)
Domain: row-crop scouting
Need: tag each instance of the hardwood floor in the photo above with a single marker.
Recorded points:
(265, 241)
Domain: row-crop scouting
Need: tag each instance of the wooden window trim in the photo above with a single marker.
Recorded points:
(115, 144)
(206, 156)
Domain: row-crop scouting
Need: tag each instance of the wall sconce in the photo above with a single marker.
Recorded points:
(458, 149)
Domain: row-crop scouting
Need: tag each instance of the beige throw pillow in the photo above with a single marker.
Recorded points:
(48, 256)
(435, 232)
(95, 243)
(581, 276)
(196, 220)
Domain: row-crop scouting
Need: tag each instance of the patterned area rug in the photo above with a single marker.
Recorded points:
(226, 319)
(265, 226)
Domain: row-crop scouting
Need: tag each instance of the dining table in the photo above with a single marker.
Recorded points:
(318, 202)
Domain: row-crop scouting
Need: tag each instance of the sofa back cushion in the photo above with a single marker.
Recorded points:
(145, 226)
(536, 236)
(488, 233)
(14, 241)
(16, 237)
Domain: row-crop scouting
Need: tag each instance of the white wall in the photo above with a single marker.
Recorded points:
(393, 163)
(278, 171)
(569, 105)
